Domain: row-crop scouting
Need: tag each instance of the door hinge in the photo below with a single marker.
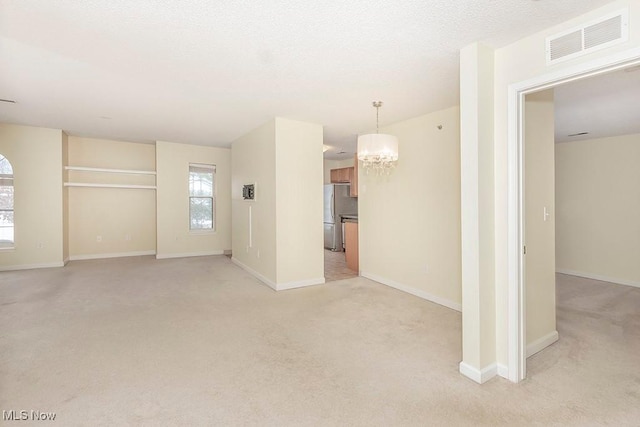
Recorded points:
(524, 250)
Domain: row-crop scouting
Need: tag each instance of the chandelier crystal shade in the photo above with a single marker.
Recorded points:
(378, 151)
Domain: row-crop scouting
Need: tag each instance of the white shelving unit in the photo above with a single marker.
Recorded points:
(107, 170)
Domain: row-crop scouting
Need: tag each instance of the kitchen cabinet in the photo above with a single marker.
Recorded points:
(351, 245)
(347, 176)
(341, 176)
(353, 190)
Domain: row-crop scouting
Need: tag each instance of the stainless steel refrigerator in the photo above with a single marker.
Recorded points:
(336, 202)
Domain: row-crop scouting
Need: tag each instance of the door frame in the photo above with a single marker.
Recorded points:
(515, 152)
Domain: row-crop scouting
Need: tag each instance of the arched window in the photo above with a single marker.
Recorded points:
(6, 203)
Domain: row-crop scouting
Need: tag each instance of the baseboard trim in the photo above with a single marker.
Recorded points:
(65, 261)
(416, 292)
(31, 266)
(542, 343)
(255, 274)
(599, 277)
(299, 284)
(278, 286)
(111, 255)
(189, 254)
(479, 376)
(503, 370)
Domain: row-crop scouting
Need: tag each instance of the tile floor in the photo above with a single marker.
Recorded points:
(335, 267)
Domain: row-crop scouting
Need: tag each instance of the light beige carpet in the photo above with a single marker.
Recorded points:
(200, 342)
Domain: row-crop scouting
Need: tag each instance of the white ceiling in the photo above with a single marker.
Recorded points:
(605, 105)
(206, 72)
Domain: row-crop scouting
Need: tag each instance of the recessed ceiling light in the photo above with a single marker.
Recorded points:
(10, 101)
(579, 134)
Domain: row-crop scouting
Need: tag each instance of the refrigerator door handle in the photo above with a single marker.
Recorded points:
(333, 203)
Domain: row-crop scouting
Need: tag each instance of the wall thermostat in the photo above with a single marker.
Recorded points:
(249, 192)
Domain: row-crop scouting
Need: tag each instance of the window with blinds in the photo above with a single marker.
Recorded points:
(202, 196)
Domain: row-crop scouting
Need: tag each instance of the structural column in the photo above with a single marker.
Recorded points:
(477, 204)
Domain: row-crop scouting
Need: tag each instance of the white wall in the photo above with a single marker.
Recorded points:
(278, 237)
(36, 157)
(124, 219)
(518, 62)
(540, 268)
(598, 208)
(174, 239)
(409, 221)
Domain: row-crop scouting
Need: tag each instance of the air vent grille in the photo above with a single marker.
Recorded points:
(566, 45)
(595, 35)
(603, 32)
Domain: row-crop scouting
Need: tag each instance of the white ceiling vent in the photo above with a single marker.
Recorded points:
(606, 31)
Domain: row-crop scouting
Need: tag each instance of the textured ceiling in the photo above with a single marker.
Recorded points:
(206, 72)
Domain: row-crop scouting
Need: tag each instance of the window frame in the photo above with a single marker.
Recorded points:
(212, 198)
(9, 245)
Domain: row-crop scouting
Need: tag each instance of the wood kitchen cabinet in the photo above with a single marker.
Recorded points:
(347, 176)
(351, 245)
(353, 190)
(341, 176)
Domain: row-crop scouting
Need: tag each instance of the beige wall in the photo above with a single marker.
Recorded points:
(36, 157)
(253, 162)
(299, 203)
(518, 62)
(278, 237)
(65, 198)
(174, 239)
(107, 222)
(477, 204)
(540, 271)
(409, 221)
(336, 164)
(598, 205)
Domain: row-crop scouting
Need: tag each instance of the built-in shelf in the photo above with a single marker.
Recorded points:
(88, 184)
(106, 170)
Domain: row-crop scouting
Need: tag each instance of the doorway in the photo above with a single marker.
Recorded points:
(517, 342)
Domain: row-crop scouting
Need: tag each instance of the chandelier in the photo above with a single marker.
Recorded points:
(378, 151)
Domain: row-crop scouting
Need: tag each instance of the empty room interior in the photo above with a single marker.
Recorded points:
(165, 170)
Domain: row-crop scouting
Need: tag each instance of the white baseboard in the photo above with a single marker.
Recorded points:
(479, 376)
(65, 261)
(300, 284)
(111, 255)
(599, 277)
(30, 266)
(417, 292)
(189, 254)
(542, 343)
(255, 274)
(278, 286)
(503, 371)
